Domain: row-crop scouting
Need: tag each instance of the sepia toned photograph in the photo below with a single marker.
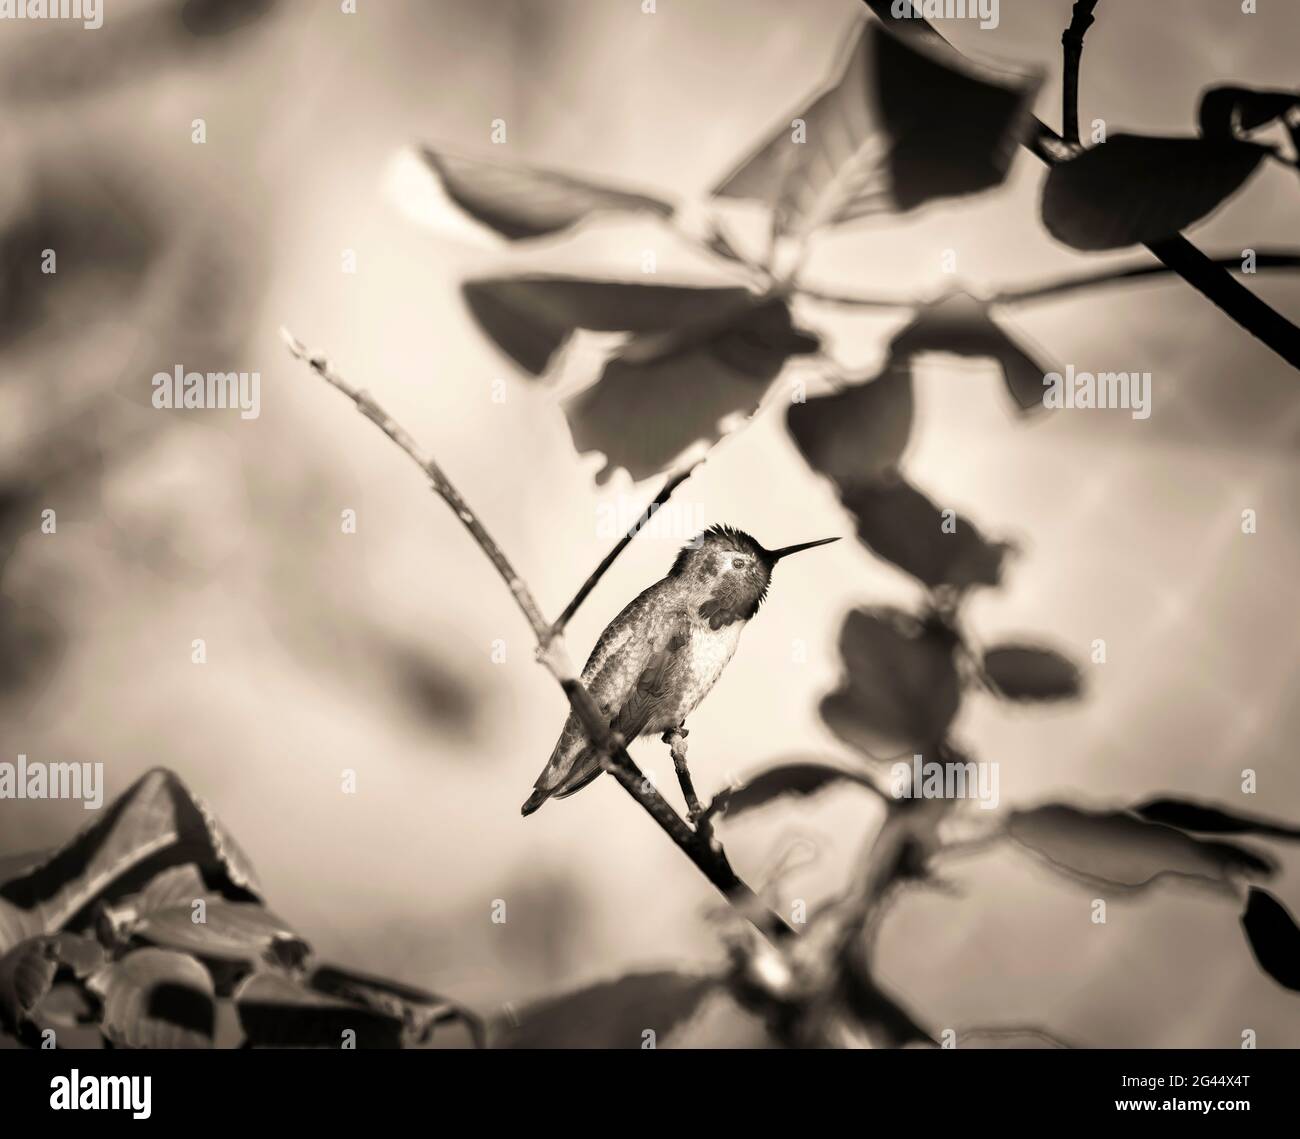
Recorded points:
(637, 525)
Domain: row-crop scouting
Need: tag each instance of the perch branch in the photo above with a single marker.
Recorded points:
(1072, 41)
(1177, 253)
(552, 653)
(562, 621)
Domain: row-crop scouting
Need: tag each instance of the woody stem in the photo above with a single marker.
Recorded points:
(675, 738)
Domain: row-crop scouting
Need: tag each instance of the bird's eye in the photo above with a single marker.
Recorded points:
(737, 563)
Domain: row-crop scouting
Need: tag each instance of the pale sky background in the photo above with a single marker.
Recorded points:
(373, 651)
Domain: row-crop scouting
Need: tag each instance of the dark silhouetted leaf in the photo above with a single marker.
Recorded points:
(1273, 937)
(961, 325)
(1026, 672)
(530, 317)
(857, 434)
(1136, 189)
(155, 998)
(1191, 816)
(901, 689)
(276, 1011)
(898, 125)
(155, 824)
(614, 1014)
(1231, 112)
(902, 526)
(774, 783)
(523, 201)
(1116, 848)
(953, 126)
(663, 393)
(420, 1012)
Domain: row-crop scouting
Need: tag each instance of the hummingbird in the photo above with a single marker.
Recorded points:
(662, 654)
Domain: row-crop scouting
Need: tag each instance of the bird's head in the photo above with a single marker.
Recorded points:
(730, 572)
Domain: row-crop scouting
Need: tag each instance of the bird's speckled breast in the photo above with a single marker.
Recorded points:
(706, 655)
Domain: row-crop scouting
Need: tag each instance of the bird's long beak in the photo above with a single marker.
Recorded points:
(786, 551)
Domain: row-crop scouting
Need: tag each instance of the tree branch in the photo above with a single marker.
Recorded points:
(1177, 253)
(1266, 259)
(1072, 42)
(562, 621)
(552, 653)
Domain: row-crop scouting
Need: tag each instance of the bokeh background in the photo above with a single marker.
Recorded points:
(373, 651)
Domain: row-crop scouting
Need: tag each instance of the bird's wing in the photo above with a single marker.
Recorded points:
(611, 674)
(659, 680)
(620, 631)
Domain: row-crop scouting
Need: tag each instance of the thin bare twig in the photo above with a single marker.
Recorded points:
(1081, 20)
(562, 621)
(675, 738)
(1177, 253)
(1264, 259)
(553, 654)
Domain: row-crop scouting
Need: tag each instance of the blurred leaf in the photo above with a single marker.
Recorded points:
(426, 682)
(242, 932)
(1115, 848)
(898, 523)
(420, 1012)
(175, 886)
(721, 1022)
(217, 17)
(613, 1014)
(1191, 816)
(789, 779)
(954, 125)
(276, 1011)
(28, 970)
(1273, 937)
(869, 1014)
(961, 325)
(663, 393)
(1136, 189)
(155, 824)
(1231, 112)
(858, 433)
(898, 125)
(155, 998)
(1008, 1038)
(901, 690)
(524, 201)
(1026, 672)
(530, 317)
(26, 974)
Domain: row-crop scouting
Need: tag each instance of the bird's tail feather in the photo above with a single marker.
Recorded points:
(571, 767)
